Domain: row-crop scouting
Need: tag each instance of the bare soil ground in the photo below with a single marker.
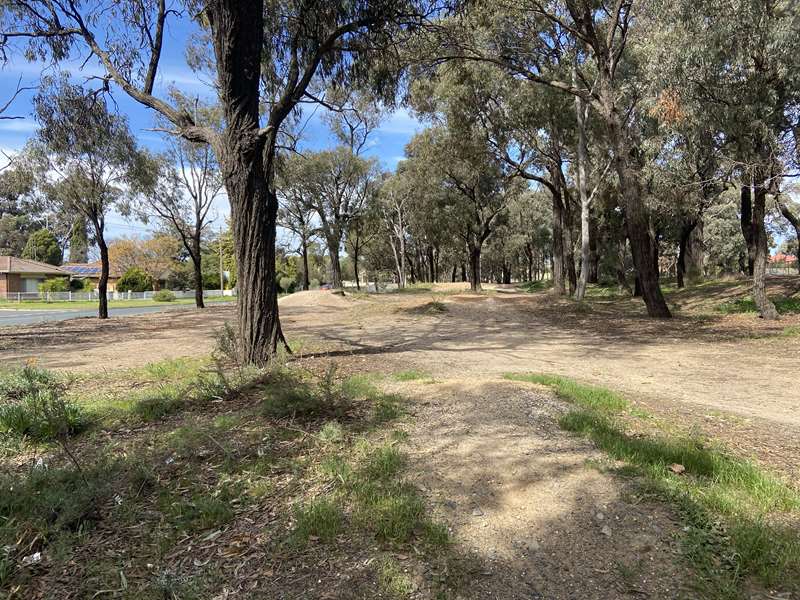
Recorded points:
(520, 495)
(525, 499)
(731, 376)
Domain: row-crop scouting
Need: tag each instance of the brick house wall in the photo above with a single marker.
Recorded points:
(10, 283)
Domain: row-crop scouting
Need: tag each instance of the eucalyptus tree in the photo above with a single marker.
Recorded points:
(393, 204)
(791, 212)
(189, 183)
(738, 65)
(476, 188)
(295, 213)
(88, 161)
(263, 57)
(540, 43)
(338, 185)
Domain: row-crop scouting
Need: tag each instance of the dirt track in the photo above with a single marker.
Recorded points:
(705, 369)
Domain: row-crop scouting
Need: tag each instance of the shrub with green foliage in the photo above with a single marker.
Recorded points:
(287, 284)
(32, 404)
(56, 284)
(164, 296)
(135, 280)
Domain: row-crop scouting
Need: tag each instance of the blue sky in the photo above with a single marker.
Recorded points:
(386, 143)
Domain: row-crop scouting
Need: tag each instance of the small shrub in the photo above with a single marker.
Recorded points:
(56, 284)
(164, 296)
(332, 432)
(287, 284)
(32, 404)
(135, 280)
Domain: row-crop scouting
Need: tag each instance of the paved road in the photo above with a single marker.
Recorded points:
(27, 317)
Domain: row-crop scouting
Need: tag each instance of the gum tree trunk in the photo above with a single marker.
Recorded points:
(747, 226)
(761, 254)
(637, 216)
(254, 211)
(475, 267)
(198, 272)
(580, 111)
(557, 257)
(102, 285)
(306, 281)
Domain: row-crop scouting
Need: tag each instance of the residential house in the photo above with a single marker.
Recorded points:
(91, 272)
(20, 275)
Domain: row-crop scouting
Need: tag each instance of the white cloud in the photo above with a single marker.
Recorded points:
(18, 126)
(401, 122)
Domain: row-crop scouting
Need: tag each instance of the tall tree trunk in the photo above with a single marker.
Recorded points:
(336, 265)
(475, 267)
(198, 271)
(454, 274)
(463, 272)
(637, 217)
(246, 160)
(102, 285)
(557, 255)
(747, 226)
(765, 306)
(594, 255)
(306, 280)
(622, 280)
(683, 244)
(355, 267)
(696, 253)
(582, 154)
(569, 246)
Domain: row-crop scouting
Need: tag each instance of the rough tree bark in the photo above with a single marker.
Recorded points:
(746, 213)
(102, 285)
(246, 160)
(582, 156)
(557, 256)
(304, 252)
(198, 271)
(765, 306)
(794, 220)
(475, 267)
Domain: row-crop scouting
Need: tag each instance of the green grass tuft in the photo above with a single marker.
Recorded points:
(784, 305)
(732, 507)
(411, 375)
(585, 395)
(320, 518)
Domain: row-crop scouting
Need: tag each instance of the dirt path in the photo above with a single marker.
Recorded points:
(524, 499)
(718, 373)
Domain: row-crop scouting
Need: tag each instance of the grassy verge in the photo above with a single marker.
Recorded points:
(84, 305)
(740, 521)
(790, 305)
(195, 471)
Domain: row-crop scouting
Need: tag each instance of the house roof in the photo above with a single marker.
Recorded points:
(780, 257)
(91, 269)
(12, 264)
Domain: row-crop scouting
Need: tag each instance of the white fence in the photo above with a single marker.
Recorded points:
(112, 296)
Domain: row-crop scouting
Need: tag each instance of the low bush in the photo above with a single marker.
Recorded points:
(32, 404)
(164, 296)
(135, 280)
(57, 284)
